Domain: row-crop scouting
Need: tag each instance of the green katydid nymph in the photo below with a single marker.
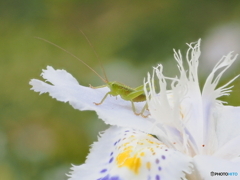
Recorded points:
(125, 92)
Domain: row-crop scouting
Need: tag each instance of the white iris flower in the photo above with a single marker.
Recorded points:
(195, 135)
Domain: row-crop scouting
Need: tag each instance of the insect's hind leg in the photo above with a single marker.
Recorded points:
(102, 99)
(145, 107)
(142, 111)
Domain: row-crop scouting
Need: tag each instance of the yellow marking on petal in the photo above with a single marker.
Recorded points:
(127, 148)
(121, 158)
(148, 165)
(149, 141)
(124, 159)
(142, 154)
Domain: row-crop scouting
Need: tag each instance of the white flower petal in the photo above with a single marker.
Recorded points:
(58, 77)
(230, 150)
(228, 124)
(207, 164)
(228, 133)
(113, 111)
(126, 154)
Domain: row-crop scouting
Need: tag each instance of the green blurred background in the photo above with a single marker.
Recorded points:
(39, 137)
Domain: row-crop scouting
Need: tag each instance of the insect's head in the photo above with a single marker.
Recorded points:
(111, 85)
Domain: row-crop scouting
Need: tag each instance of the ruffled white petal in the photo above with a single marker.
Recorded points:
(211, 104)
(126, 154)
(204, 165)
(64, 87)
(210, 92)
(191, 119)
(179, 110)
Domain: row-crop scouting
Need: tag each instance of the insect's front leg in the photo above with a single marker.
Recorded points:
(102, 99)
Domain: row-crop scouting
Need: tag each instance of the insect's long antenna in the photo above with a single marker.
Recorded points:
(96, 54)
(104, 80)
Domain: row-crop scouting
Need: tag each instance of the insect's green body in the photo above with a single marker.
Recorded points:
(126, 93)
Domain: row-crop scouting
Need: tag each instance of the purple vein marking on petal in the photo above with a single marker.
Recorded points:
(163, 157)
(105, 177)
(159, 168)
(115, 143)
(103, 170)
(157, 161)
(149, 177)
(114, 178)
(111, 154)
(111, 160)
(127, 131)
(166, 149)
(157, 177)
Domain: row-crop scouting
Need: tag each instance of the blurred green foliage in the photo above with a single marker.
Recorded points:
(39, 137)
